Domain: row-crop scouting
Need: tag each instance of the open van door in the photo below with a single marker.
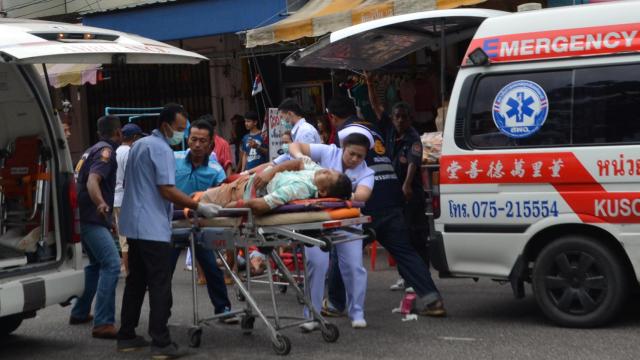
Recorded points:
(37, 42)
(374, 44)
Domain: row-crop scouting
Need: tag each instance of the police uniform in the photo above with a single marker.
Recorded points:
(99, 159)
(405, 150)
(385, 206)
(101, 275)
(348, 254)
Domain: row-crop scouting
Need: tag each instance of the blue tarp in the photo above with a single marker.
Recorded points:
(183, 20)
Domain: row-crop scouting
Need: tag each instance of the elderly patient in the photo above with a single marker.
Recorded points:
(271, 186)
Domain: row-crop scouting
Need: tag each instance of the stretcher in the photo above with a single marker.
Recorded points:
(308, 223)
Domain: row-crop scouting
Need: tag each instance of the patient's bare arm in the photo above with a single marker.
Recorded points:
(261, 180)
(259, 206)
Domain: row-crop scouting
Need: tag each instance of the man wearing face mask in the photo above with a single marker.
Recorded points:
(301, 131)
(147, 209)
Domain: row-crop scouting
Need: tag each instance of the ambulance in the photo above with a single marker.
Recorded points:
(540, 167)
(40, 268)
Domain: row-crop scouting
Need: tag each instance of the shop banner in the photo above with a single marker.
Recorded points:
(276, 129)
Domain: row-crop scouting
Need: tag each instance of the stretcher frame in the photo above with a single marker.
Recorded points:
(268, 239)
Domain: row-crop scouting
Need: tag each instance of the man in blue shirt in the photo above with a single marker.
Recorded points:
(254, 150)
(145, 219)
(96, 187)
(197, 170)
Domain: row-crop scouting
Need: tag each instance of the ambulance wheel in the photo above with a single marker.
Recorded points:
(327, 244)
(195, 337)
(331, 334)
(9, 324)
(246, 324)
(579, 282)
(281, 345)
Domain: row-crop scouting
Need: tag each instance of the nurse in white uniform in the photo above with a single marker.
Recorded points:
(350, 160)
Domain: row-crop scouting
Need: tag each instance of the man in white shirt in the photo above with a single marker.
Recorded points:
(301, 131)
(130, 132)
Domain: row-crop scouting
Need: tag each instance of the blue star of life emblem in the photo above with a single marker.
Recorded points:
(520, 109)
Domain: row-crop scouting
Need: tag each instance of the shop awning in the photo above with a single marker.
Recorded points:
(319, 17)
(189, 19)
(61, 75)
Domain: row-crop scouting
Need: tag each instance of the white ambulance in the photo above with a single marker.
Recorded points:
(37, 189)
(540, 167)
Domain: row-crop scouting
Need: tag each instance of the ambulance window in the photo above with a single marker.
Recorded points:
(482, 131)
(607, 105)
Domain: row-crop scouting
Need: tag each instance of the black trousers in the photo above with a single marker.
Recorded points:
(149, 267)
(418, 224)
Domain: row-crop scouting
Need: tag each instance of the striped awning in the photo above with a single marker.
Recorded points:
(319, 17)
(61, 75)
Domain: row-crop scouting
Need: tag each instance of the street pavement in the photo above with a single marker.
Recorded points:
(484, 322)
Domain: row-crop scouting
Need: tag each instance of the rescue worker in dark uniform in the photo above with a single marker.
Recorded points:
(96, 173)
(405, 150)
(386, 207)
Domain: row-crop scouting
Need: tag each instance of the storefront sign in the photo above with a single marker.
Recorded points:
(276, 129)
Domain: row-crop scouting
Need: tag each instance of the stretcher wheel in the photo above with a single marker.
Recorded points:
(300, 299)
(240, 295)
(331, 334)
(327, 244)
(246, 324)
(283, 289)
(195, 337)
(281, 345)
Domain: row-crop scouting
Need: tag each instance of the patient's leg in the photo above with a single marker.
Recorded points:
(226, 193)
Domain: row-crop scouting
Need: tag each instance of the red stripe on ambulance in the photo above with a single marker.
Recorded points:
(598, 40)
(587, 198)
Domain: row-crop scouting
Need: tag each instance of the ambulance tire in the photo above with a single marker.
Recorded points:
(579, 282)
(9, 324)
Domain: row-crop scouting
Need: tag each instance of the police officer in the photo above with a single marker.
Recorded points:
(150, 189)
(386, 208)
(405, 150)
(96, 173)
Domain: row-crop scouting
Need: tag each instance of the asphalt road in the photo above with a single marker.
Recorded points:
(484, 322)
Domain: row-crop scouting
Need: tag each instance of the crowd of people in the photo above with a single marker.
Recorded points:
(129, 183)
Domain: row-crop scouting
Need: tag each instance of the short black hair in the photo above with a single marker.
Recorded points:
(341, 107)
(252, 115)
(341, 189)
(402, 106)
(209, 118)
(356, 139)
(289, 104)
(108, 125)
(204, 125)
(169, 112)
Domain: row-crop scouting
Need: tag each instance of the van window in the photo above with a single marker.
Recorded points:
(607, 105)
(590, 106)
(483, 132)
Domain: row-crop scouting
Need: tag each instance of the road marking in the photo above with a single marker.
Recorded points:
(453, 338)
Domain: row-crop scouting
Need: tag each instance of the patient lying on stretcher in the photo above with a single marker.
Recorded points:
(272, 186)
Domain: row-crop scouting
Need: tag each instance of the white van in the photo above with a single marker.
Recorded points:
(540, 167)
(37, 190)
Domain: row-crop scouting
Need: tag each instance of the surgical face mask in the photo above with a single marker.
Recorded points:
(285, 148)
(177, 138)
(285, 124)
